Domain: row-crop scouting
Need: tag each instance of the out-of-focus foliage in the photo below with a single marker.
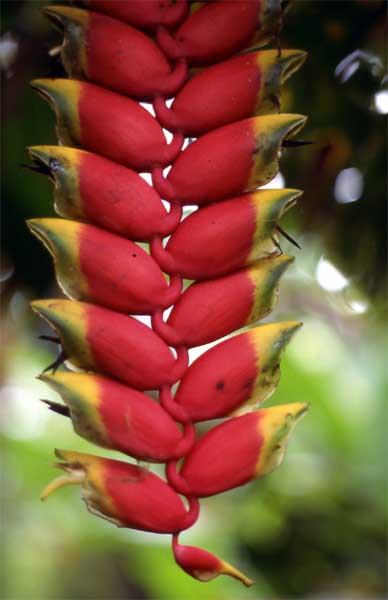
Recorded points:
(317, 526)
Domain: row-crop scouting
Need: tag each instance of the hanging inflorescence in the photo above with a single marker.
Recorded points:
(226, 90)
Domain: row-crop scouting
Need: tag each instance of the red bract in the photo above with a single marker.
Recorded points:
(204, 566)
(93, 188)
(218, 29)
(107, 123)
(229, 160)
(230, 91)
(122, 493)
(114, 55)
(116, 416)
(101, 267)
(96, 338)
(147, 16)
(131, 50)
(237, 374)
(240, 449)
(209, 310)
(226, 236)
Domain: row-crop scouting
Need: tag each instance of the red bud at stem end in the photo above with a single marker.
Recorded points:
(203, 565)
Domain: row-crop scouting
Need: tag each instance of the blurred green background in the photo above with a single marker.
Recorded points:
(316, 528)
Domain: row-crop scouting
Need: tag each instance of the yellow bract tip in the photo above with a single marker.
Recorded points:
(73, 478)
(61, 14)
(277, 127)
(227, 569)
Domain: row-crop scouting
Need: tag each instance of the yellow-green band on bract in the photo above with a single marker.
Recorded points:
(275, 425)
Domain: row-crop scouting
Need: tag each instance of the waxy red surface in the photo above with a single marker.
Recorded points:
(143, 500)
(220, 380)
(213, 241)
(225, 457)
(120, 274)
(214, 32)
(120, 129)
(216, 166)
(221, 94)
(128, 350)
(158, 12)
(118, 199)
(126, 60)
(209, 310)
(136, 424)
(196, 561)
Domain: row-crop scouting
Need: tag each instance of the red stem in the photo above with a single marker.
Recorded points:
(172, 219)
(168, 44)
(162, 185)
(187, 441)
(162, 257)
(168, 403)
(174, 290)
(164, 330)
(166, 116)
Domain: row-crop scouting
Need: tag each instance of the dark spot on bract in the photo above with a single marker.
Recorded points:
(248, 383)
(134, 255)
(220, 385)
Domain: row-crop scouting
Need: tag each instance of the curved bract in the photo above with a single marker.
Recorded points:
(107, 123)
(90, 187)
(212, 309)
(96, 338)
(97, 266)
(223, 237)
(148, 16)
(116, 416)
(227, 161)
(240, 449)
(121, 492)
(237, 374)
(230, 91)
(218, 29)
(114, 55)
(122, 251)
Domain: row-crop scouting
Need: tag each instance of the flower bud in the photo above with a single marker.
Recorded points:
(88, 186)
(240, 449)
(115, 416)
(98, 339)
(228, 161)
(223, 237)
(237, 374)
(219, 29)
(204, 566)
(107, 123)
(114, 55)
(97, 266)
(241, 87)
(120, 492)
(212, 309)
(159, 12)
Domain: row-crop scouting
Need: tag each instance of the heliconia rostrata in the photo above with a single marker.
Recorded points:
(226, 93)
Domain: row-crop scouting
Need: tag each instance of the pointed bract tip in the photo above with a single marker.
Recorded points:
(275, 425)
(57, 92)
(72, 478)
(60, 15)
(228, 569)
(55, 157)
(270, 341)
(279, 127)
(291, 61)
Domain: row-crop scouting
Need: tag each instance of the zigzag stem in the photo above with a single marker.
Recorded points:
(168, 402)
